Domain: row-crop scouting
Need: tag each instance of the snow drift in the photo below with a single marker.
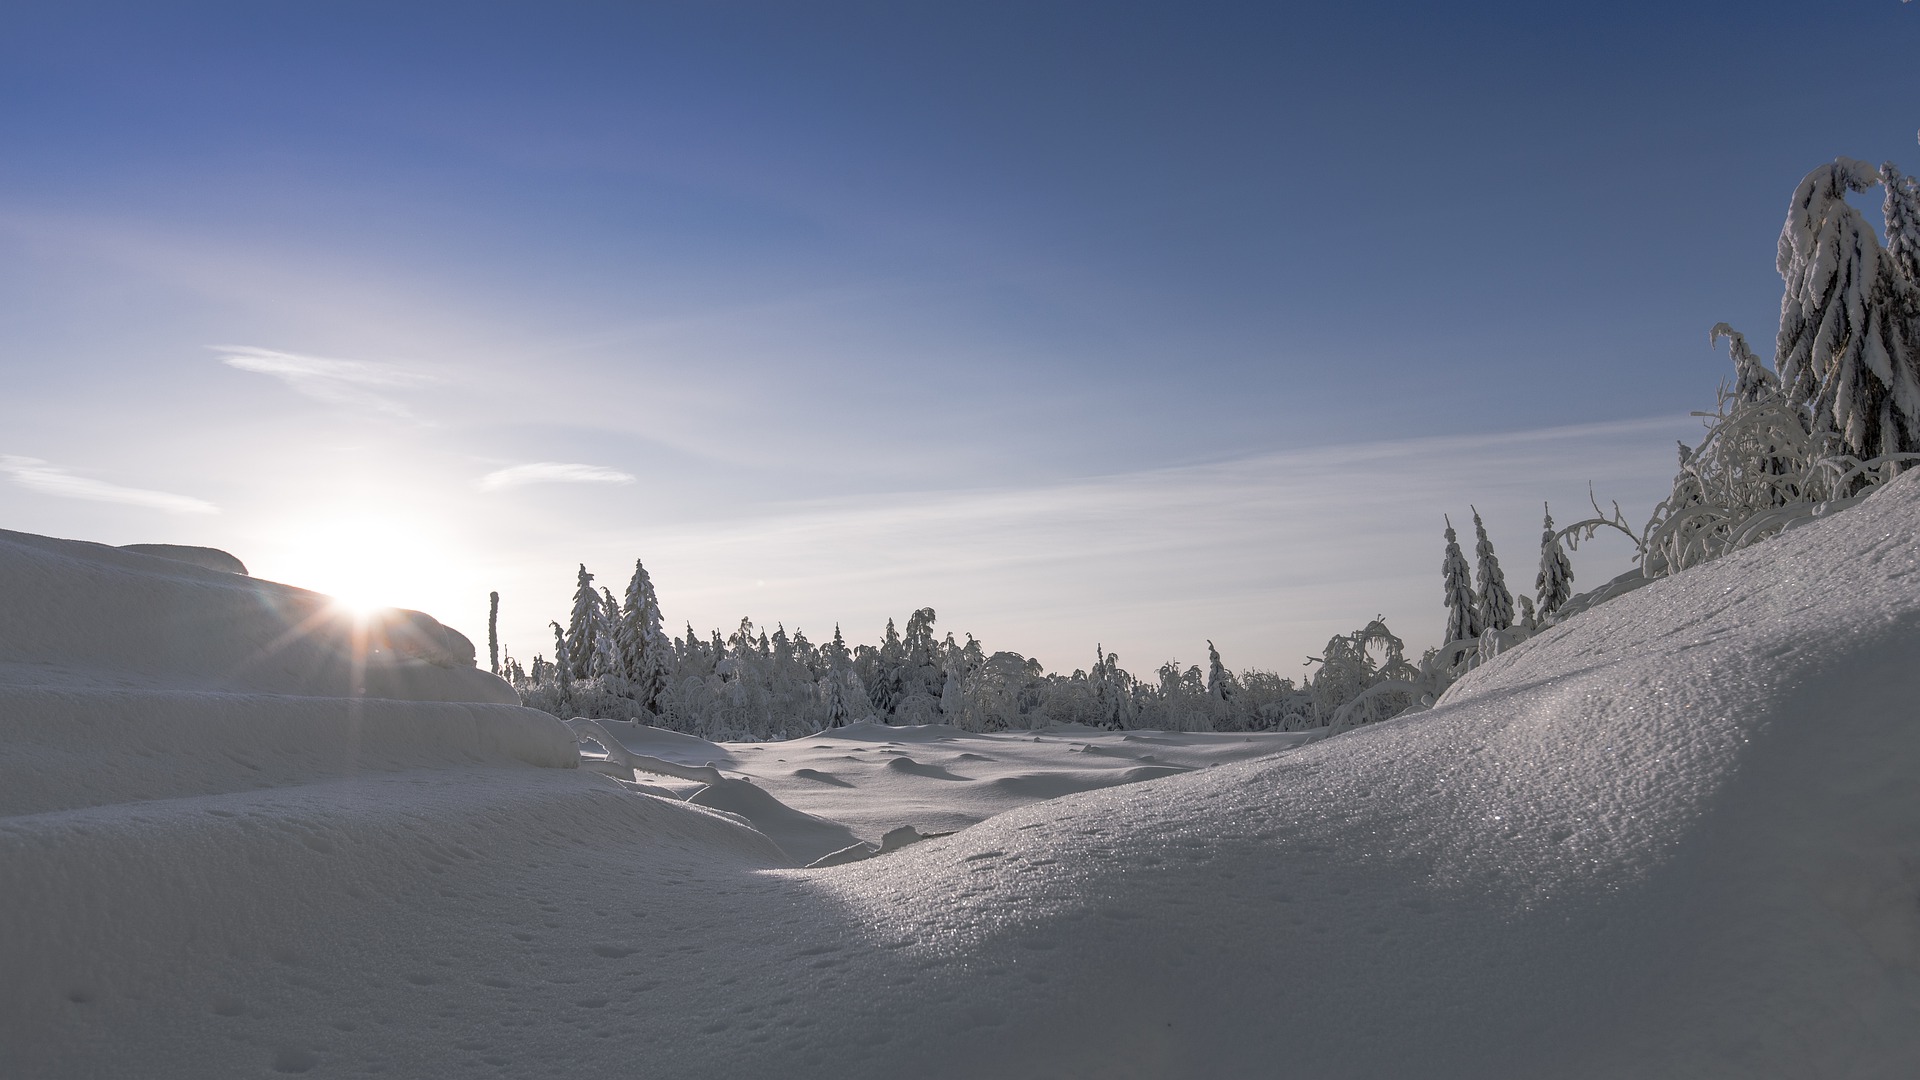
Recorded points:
(127, 676)
(1674, 836)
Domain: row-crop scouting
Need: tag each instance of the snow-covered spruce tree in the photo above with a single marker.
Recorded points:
(1353, 687)
(1902, 211)
(1554, 583)
(1463, 607)
(582, 624)
(562, 669)
(1222, 692)
(918, 678)
(604, 665)
(1496, 603)
(953, 698)
(791, 688)
(806, 656)
(748, 711)
(883, 680)
(1849, 347)
(970, 694)
(839, 665)
(1097, 678)
(645, 652)
(1113, 690)
(1753, 383)
(1219, 680)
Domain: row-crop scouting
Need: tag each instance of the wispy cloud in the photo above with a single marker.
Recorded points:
(36, 475)
(551, 472)
(354, 384)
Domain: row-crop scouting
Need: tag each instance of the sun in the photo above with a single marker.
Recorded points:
(358, 599)
(365, 562)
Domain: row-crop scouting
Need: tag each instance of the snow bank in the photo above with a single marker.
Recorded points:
(127, 676)
(119, 616)
(1673, 836)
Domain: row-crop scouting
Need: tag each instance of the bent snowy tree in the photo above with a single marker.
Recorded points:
(1849, 344)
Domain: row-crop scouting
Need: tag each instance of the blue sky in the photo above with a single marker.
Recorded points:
(1132, 323)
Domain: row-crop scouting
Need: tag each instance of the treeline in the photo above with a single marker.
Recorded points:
(613, 660)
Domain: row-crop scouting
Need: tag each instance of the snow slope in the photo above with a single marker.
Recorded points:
(1675, 836)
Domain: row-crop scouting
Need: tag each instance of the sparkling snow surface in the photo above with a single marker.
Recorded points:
(1677, 836)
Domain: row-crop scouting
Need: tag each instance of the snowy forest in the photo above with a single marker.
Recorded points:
(1834, 416)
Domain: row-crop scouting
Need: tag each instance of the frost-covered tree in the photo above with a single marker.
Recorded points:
(1849, 347)
(582, 625)
(1364, 676)
(1528, 620)
(1554, 583)
(605, 663)
(1902, 211)
(1463, 607)
(645, 652)
(884, 663)
(953, 697)
(920, 674)
(1496, 603)
(805, 655)
(1753, 382)
(839, 666)
(562, 664)
(1221, 691)
(1113, 690)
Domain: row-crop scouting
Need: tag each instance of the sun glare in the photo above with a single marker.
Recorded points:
(356, 603)
(365, 563)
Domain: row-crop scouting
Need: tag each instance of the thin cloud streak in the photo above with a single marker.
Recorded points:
(551, 472)
(337, 382)
(1201, 506)
(37, 475)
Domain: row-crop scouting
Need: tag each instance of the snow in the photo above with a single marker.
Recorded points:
(818, 795)
(1672, 836)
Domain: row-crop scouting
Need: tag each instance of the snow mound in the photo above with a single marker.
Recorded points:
(211, 558)
(1674, 836)
(123, 617)
(126, 677)
(803, 837)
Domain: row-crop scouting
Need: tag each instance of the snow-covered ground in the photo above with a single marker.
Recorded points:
(854, 784)
(1676, 836)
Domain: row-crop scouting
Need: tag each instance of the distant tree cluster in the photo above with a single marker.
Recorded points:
(610, 660)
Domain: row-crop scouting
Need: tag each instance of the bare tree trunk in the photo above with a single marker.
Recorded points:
(493, 631)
